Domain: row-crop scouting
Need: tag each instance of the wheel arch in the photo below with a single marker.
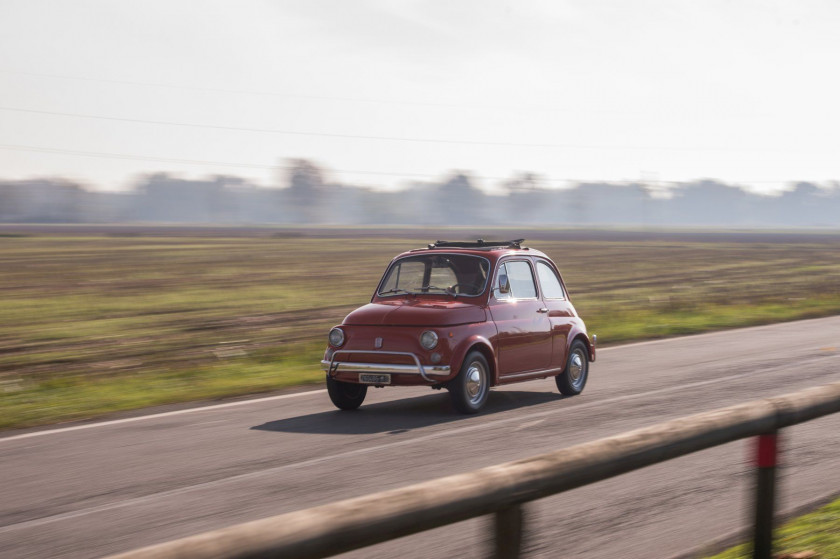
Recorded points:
(590, 348)
(477, 343)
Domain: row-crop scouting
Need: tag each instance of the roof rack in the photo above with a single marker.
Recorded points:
(480, 244)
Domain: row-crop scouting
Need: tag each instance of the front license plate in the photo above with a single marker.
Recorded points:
(374, 379)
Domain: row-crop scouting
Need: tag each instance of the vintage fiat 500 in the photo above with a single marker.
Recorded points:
(463, 316)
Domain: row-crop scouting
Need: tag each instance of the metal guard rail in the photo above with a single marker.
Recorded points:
(501, 490)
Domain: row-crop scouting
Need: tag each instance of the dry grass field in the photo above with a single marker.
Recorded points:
(96, 320)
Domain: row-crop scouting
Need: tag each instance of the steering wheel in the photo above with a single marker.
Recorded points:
(454, 285)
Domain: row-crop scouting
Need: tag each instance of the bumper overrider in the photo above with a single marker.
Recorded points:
(427, 372)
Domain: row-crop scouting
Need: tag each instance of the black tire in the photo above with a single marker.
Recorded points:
(470, 388)
(573, 378)
(346, 395)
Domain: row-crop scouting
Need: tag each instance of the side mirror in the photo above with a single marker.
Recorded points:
(504, 285)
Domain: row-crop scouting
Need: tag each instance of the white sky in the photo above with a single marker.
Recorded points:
(741, 91)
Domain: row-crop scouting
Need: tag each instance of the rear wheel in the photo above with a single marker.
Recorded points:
(573, 378)
(346, 395)
(470, 388)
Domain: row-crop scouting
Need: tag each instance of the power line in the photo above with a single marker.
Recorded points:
(280, 131)
(369, 137)
(222, 89)
(131, 157)
(287, 95)
(134, 157)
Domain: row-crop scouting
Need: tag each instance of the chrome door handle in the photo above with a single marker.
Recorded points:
(542, 310)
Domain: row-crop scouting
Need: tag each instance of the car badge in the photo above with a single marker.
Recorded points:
(378, 343)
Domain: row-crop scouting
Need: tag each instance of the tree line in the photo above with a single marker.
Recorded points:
(307, 197)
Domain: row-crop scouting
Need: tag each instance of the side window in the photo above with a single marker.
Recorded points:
(521, 280)
(551, 286)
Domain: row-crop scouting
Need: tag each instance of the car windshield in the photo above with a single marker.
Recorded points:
(455, 274)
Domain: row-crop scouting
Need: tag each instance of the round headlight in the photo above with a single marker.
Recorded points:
(428, 339)
(336, 337)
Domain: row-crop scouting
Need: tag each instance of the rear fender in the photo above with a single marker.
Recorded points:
(578, 333)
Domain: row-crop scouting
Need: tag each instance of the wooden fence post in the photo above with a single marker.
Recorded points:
(508, 524)
(765, 494)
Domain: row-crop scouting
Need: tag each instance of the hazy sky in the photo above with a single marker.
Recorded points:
(385, 92)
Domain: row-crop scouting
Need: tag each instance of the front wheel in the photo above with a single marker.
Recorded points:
(346, 395)
(470, 388)
(573, 378)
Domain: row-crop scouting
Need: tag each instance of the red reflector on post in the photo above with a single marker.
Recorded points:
(768, 451)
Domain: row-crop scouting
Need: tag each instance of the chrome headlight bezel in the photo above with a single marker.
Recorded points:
(429, 339)
(336, 337)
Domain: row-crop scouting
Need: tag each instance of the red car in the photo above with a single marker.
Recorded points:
(463, 316)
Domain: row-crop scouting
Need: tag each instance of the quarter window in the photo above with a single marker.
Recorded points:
(551, 286)
(521, 280)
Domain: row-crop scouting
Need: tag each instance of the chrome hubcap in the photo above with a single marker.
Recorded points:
(475, 382)
(576, 367)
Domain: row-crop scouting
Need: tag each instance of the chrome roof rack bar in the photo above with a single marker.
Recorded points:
(480, 243)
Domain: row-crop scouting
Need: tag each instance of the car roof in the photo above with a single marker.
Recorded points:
(487, 249)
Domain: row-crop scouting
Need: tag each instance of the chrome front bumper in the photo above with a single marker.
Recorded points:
(332, 366)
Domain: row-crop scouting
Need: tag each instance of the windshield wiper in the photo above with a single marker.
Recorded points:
(396, 290)
(444, 289)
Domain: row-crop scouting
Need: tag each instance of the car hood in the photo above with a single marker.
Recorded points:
(416, 312)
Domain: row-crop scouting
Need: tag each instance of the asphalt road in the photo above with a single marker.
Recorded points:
(93, 489)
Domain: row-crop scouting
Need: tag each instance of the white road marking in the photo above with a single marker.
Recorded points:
(529, 424)
(156, 415)
(367, 450)
(311, 392)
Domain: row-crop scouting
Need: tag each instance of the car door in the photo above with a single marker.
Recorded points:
(524, 341)
(561, 313)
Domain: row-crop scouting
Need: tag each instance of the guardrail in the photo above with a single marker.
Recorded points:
(503, 490)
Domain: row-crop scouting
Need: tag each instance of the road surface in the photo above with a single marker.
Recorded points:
(88, 490)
